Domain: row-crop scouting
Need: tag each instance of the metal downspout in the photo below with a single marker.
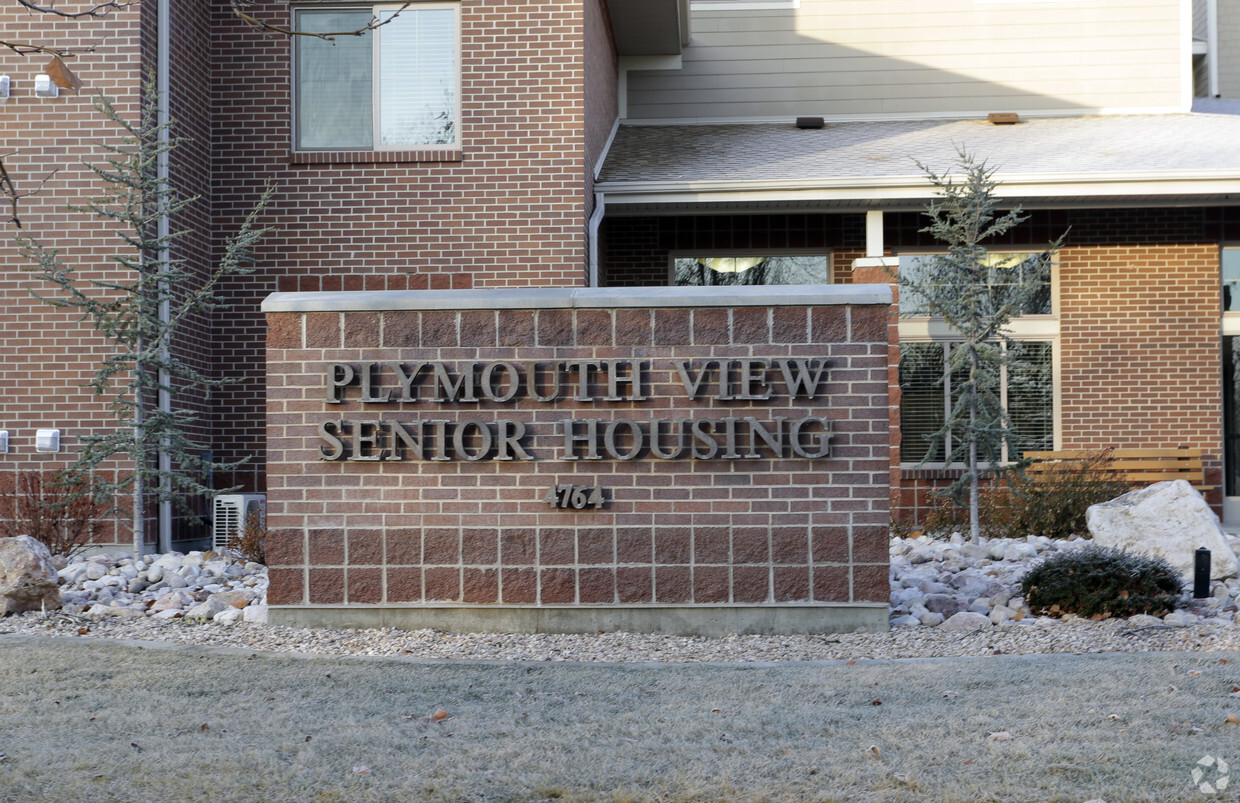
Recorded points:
(163, 82)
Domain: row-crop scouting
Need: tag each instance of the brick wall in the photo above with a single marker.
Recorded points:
(50, 353)
(779, 530)
(508, 209)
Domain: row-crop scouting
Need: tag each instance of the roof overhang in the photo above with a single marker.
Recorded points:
(649, 27)
(908, 193)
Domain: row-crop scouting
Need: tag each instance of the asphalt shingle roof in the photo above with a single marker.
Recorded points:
(1091, 145)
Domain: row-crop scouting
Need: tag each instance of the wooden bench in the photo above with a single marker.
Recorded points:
(1134, 466)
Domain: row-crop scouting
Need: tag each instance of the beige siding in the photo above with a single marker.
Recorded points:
(1229, 48)
(893, 57)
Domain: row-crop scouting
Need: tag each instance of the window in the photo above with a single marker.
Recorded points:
(1026, 387)
(392, 87)
(757, 269)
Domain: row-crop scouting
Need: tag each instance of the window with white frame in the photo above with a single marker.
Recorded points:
(395, 86)
(737, 269)
(1026, 385)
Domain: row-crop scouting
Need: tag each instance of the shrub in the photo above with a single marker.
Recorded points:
(58, 510)
(1054, 503)
(1096, 581)
(249, 543)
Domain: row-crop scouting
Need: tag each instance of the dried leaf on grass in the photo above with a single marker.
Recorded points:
(439, 716)
(1001, 736)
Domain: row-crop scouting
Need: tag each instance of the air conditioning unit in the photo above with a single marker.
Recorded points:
(229, 514)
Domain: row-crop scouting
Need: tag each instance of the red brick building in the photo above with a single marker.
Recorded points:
(469, 146)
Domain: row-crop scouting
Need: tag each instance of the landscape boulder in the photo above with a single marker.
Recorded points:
(28, 580)
(1168, 520)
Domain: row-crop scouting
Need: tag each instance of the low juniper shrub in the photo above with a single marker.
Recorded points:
(1100, 582)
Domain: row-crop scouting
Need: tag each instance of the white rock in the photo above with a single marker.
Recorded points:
(28, 579)
(256, 613)
(1180, 618)
(897, 621)
(931, 619)
(95, 571)
(966, 620)
(1169, 520)
(1143, 620)
(228, 616)
(155, 573)
(1001, 614)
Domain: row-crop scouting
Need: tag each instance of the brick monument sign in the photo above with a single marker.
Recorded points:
(683, 460)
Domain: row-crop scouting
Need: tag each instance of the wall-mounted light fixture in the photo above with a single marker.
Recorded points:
(4, 88)
(4, 441)
(47, 440)
(45, 87)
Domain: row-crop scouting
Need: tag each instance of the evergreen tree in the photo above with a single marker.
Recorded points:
(141, 314)
(976, 296)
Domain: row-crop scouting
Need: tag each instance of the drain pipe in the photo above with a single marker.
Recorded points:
(596, 221)
(1212, 47)
(163, 228)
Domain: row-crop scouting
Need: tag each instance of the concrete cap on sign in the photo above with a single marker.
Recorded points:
(581, 298)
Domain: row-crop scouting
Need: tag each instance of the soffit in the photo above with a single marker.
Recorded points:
(649, 27)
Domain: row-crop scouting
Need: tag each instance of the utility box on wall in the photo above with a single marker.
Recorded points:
(686, 460)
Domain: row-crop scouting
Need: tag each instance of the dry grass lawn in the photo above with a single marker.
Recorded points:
(101, 721)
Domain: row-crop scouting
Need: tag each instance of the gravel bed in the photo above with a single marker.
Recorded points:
(1046, 636)
(982, 580)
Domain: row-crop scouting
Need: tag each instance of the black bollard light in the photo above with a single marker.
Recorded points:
(1201, 573)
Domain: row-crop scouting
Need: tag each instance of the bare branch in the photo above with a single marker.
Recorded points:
(96, 10)
(239, 9)
(28, 48)
(8, 190)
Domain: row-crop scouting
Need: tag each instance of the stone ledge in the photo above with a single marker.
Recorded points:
(703, 621)
(581, 298)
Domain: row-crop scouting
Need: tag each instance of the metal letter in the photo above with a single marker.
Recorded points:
(368, 369)
(590, 438)
(555, 394)
(701, 437)
(636, 439)
(801, 382)
(753, 380)
(775, 443)
(509, 441)
(365, 437)
(583, 369)
(339, 376)
(461, 390)
(488, 381)
(692, 386)
(412, 441)
(656, 447)
(328, 430)
(822, 440)
(633, 380)
(485, 441)
(406, 379)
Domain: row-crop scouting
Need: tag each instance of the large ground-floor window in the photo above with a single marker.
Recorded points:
(730, 270)
(1026, 385)
(929, 389)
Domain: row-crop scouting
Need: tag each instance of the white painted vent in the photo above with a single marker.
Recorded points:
(228, 516)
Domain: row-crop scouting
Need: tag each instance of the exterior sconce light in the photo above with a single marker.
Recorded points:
(4, 439)
(47, 440)
(4, 88)
(45, 87)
